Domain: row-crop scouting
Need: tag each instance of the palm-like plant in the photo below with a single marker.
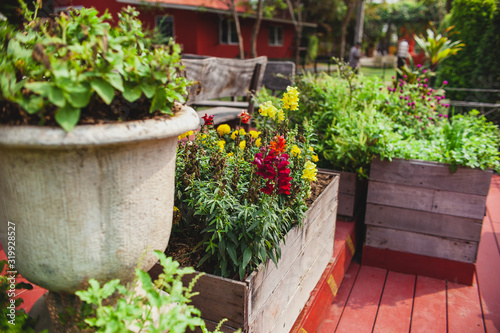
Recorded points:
(438, 47)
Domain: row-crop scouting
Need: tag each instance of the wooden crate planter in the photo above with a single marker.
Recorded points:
(271, 298)
(352, 194)
(423, 219)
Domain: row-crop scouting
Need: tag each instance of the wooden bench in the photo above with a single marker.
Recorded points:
(278, 75)
(220, 78)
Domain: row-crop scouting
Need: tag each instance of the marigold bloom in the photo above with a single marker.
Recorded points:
(291, 98)
(223, 129)
(254, 134)
(221, 144)
(310, 171)
(295, 150)
(182, 136)
(243, 144)
(258, 142)
(242, 131)
(233, 135)
(315, 158)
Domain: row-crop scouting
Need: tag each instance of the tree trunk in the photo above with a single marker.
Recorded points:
(238, 29)
(255, 30)
(351, 4)
(297, 22)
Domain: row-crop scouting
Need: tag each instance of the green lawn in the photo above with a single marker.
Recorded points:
(385, 74)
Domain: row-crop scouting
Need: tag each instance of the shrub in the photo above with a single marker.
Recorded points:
(471, 18)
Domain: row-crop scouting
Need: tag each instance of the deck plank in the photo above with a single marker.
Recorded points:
(464, 309)
(429, 308)
(361, 308)
(394, 314)
(488, 272)
(334, 311)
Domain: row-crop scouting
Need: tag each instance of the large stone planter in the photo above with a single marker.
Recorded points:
(423, 219)
(89, 203)
(271, 298)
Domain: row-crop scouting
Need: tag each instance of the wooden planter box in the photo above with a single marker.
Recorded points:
(271, 298)
(423, 219)
(352, 194)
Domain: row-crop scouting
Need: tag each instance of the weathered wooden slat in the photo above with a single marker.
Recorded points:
(220, 298)
(431, 175)
(346, 204)
(302, 274)
(444, 202)
(222, 77)
(439, 247)
(400, 196)
(320, 219)
(278, 75)
(423, 222)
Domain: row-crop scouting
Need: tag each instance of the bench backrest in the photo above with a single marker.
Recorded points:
(278, 75)
(223, 77)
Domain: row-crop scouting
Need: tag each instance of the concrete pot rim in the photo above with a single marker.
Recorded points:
(184, 120)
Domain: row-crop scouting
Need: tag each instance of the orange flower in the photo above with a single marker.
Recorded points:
(278, 144)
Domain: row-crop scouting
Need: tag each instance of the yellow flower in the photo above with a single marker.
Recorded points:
(230, 154)
(242, 131)
(182, 136)
(267, 110)
(295, 150)
(221, 144)
(281, 115)
(233, 135)
(243, 144)
(315, 158)
(291, 98)
(223, 129)
(258, 142)
(254, 134)
(310, 171)
(311, 149)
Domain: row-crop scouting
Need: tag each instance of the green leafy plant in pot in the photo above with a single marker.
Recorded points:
(92, 190)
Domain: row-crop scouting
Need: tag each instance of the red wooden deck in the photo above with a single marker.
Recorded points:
(378, 300)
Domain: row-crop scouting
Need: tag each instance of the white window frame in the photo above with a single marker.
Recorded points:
(230, 24)
(274, 40)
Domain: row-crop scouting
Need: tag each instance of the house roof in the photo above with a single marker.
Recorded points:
(211, 6)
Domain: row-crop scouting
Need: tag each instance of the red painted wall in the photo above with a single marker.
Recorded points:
(198, 32)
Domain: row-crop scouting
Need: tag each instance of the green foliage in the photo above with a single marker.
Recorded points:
(242, 192)
(472, 18)
(407, 119)
(159, 306)
(438, 47)
(12, 320)
(66, 63)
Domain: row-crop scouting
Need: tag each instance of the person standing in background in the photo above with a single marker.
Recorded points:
(402, 54)
(354, 56)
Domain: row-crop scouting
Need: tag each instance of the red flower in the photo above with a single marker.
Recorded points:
(245, 117)
(274, 168)
(209, 120)
(278, 144)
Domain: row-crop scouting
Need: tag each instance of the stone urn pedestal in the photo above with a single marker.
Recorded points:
(91, 203)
